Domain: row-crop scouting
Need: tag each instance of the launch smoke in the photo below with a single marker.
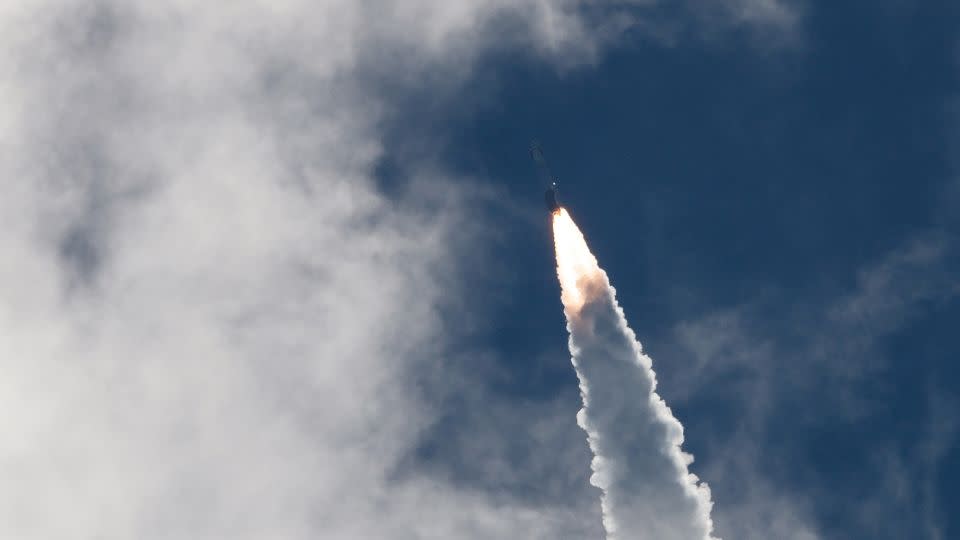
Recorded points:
(647, 489)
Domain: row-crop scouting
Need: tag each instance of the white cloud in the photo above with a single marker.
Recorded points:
(211, 322)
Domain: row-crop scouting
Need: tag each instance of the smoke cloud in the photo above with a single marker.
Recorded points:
(213, 321)
(648, 491)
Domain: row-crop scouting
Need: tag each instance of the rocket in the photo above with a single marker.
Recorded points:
(550, 196)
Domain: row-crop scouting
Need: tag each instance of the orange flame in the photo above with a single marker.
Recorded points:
(577, 268)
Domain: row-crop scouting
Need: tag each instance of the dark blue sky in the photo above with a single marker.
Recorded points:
(779, 222)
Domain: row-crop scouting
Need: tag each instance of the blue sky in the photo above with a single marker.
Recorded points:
(779, 220)
(282, 270)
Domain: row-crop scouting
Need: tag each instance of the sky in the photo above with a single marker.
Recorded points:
(282, 269)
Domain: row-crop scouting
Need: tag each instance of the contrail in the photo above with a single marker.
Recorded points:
(648, 491)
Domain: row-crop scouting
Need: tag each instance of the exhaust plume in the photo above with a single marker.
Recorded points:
(648, 491)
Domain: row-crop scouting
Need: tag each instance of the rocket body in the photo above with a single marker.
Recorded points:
(551, 196)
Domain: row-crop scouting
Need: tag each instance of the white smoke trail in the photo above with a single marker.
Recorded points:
(648, 491)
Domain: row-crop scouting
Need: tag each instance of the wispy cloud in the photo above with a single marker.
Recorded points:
(769, 360)
(213, 322)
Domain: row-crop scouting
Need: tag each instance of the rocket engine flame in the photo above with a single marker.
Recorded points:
(577, 268)
(648, 492)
